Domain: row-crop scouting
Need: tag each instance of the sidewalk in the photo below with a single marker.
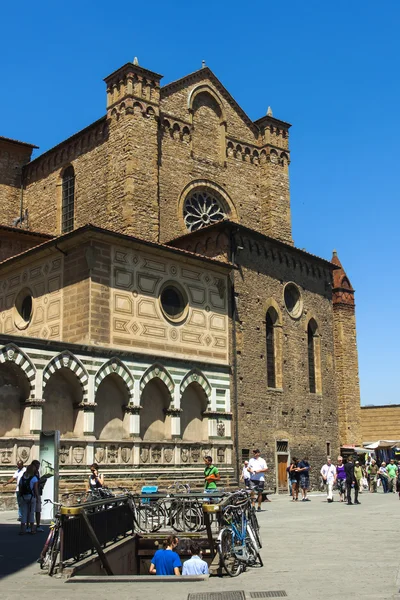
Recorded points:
(312, 550)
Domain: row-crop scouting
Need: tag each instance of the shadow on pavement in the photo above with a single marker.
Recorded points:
(18, 551)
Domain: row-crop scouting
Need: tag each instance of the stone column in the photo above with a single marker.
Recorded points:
(133, 411)
(35, 408)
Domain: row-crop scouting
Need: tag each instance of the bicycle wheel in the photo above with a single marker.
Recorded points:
(253, 553)
(226, 549)
(44, 559)
(255, 526)
(55, 550)
(148, 518)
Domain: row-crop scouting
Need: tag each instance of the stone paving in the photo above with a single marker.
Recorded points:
(312, 550)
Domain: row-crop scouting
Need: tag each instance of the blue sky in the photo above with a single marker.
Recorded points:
(329, 68)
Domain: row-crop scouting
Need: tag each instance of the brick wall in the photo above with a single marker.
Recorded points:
(380, 423)
(12, 158)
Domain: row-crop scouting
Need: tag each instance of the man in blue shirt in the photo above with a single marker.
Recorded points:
(195, 565)
(166, 561)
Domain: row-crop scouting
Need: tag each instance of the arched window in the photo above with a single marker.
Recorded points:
(314, 359)
(270, 340)
(68, 200)
(273, 342)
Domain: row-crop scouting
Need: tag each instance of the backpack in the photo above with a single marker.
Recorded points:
(25, 486)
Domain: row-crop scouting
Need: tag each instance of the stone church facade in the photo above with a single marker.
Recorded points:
(154, 308)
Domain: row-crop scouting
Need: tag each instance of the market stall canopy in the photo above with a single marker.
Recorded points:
(382, 444)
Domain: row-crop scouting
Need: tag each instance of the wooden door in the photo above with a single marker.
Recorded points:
(282, 475)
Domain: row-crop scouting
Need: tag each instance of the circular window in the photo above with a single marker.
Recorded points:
(203, 207)
(293, 301)
(23, 309)
(174, 303)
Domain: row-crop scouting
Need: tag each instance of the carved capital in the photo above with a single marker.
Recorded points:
(33, 402)
(173, 412)
(132, 409)
(213, 414)
(85, 406)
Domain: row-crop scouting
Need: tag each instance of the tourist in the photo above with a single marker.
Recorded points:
(384, 477)
(328, 472)
(29, 492)
(341, 479)
(358, 474)
(294, 478)
(392, 471)
(257, 469)
(289, 481)
(373, 477)
(245, 476)
(195, 565)
(211, 475)
(350, 480)
(38, 507)
(16, 477)
(304, 470)
(166, 561)
(96, 480)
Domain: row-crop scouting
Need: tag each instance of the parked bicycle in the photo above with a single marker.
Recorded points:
(237, 541)
(51, 549)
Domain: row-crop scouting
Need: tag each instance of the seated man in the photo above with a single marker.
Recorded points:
(195, 565)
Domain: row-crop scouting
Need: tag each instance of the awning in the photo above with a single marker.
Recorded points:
(382, 444)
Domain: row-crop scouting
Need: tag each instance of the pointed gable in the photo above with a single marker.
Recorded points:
(343, 292)
(177, 100)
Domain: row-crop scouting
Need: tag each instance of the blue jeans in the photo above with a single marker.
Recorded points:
(19, 501)
(385, 485)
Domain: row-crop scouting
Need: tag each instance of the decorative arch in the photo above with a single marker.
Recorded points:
(196, 376)
(11, 353)
(157, 371)
(66, 360)
(205, 88)
(115, 366)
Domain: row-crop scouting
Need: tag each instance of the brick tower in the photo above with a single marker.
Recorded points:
(346, 357)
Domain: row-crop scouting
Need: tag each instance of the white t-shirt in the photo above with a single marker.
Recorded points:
(328, 471)
(257, 464)
(245, 473)
(17, 475)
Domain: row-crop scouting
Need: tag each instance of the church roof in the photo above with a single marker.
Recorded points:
(252, 232)
(90, 230)
(12, 141)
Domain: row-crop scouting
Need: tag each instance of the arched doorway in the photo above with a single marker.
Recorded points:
(194, 426)
(110, 422)
(155, 424)
(14, 390)
(62, 394)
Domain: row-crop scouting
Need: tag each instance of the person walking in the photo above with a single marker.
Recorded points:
(350, 480)
(384, 477)
(195, 565)
(341, 479)
(257, 469)
(29, 492)
(392, 471)
(16, 477)
(245, 476)
(166, 561)
(294, 478)
(211, 475)
(304, 470)
(328, 472)
(358, 474)
(373, 477)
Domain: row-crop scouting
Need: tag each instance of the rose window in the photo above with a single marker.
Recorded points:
(202, 208)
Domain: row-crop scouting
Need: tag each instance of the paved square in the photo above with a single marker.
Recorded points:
(312, 550)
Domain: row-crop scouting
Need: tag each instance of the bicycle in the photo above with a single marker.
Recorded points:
(51, 548)
(237, 545)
